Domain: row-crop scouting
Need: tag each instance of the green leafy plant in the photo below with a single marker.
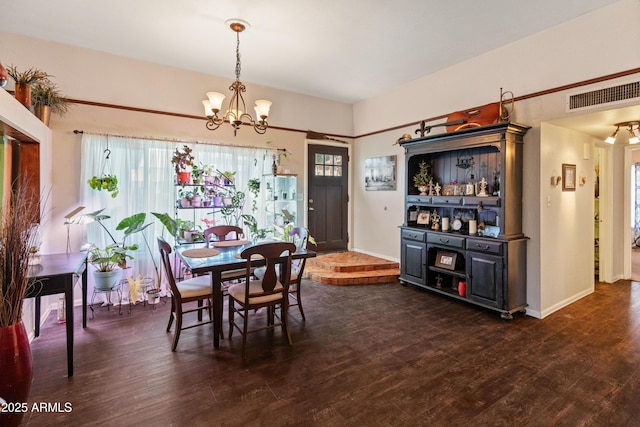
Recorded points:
(108, 183)
(252, 224)
(254, 188)
(135, 224)
(46, 92)
(109, 258)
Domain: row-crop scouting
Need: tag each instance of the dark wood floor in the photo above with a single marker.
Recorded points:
(375, 355)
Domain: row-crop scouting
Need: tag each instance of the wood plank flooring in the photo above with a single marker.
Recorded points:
(376, 355)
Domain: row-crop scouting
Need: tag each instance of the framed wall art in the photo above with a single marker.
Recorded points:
(568, 177)
(380, 173)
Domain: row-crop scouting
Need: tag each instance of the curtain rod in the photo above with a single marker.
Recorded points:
(184, 141)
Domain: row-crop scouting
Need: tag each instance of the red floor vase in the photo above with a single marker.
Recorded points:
(16, 366)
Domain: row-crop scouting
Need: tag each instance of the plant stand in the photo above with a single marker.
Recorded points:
(117, 288)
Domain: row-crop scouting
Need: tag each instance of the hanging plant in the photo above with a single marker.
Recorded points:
(108, 183)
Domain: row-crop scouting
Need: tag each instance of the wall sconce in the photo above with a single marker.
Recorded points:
(555, 180)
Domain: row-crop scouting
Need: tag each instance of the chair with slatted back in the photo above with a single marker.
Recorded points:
(197, 289)
(270, 291)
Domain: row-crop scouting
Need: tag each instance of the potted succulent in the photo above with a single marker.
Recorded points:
(108, 183)
(422, 179)
(17, 217)
(24, 80)
(183, 159)
(46, 99)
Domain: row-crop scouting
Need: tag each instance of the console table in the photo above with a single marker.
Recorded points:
(56, 274)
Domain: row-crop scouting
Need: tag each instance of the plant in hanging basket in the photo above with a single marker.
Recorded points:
(108, 183)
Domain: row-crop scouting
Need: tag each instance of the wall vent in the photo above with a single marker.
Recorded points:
(607, 95)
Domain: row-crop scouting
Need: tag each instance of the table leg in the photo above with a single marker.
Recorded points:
(84, 296)
(216, 293)
(68, 293)
(37, 313)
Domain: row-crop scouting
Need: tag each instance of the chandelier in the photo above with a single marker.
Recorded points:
(633, 128)
(236, 114)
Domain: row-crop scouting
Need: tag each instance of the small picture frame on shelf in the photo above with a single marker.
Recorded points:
(568, 177)
(446, 260)
(423, 217)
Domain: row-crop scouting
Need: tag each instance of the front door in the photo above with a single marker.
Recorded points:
(328, 196)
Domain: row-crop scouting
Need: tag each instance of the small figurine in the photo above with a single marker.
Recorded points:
(437, 188)
(430, 186)
(483, 188)
(435, 220)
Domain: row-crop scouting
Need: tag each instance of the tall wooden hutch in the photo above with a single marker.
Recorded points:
(479, 177)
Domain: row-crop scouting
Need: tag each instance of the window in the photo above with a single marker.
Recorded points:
(328, 165)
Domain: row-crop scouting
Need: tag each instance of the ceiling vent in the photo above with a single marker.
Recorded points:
(608, 95)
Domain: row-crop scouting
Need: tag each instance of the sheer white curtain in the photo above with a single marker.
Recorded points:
(146, 184)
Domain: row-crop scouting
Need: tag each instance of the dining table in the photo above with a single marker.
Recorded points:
(214, 259)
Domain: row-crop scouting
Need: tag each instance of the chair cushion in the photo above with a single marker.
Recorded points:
(255, 287)
(198, 286)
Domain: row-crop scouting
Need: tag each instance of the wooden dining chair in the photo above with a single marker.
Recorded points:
(300, 237)
(270, 291)
(221, 234)
(197, 289)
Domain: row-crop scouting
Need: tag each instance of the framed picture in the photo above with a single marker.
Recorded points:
(380, 173)
(568, 177)
(423, 217)
(447, 260)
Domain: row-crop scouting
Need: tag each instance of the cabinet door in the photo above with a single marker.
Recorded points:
(414, 262)
(484, 282)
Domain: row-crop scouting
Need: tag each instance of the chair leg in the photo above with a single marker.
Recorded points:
(231, 315)
(171, 315)
(299, 301)
(244, 333)
(199, 311)
(176, 337)
(284, 310)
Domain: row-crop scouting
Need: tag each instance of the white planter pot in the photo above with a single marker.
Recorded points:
(106, 280)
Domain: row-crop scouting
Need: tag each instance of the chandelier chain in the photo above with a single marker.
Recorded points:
(238, 56)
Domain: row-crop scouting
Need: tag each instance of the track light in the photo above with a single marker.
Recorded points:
(612, 138)
(633, 128)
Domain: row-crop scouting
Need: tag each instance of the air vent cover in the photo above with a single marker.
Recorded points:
(595, 98)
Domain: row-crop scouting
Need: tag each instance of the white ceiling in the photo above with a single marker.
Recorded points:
(340, 50)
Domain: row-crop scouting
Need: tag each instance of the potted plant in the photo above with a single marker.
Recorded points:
(109, 183)
(209, 172)
(24, 80)
(183, 159)
(422, 179)
(46, 99)
(227, 177)
(16, 220)
(106, 262)
(197, 174)
(186, 196)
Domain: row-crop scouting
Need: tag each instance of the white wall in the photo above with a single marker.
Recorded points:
(575, 51)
